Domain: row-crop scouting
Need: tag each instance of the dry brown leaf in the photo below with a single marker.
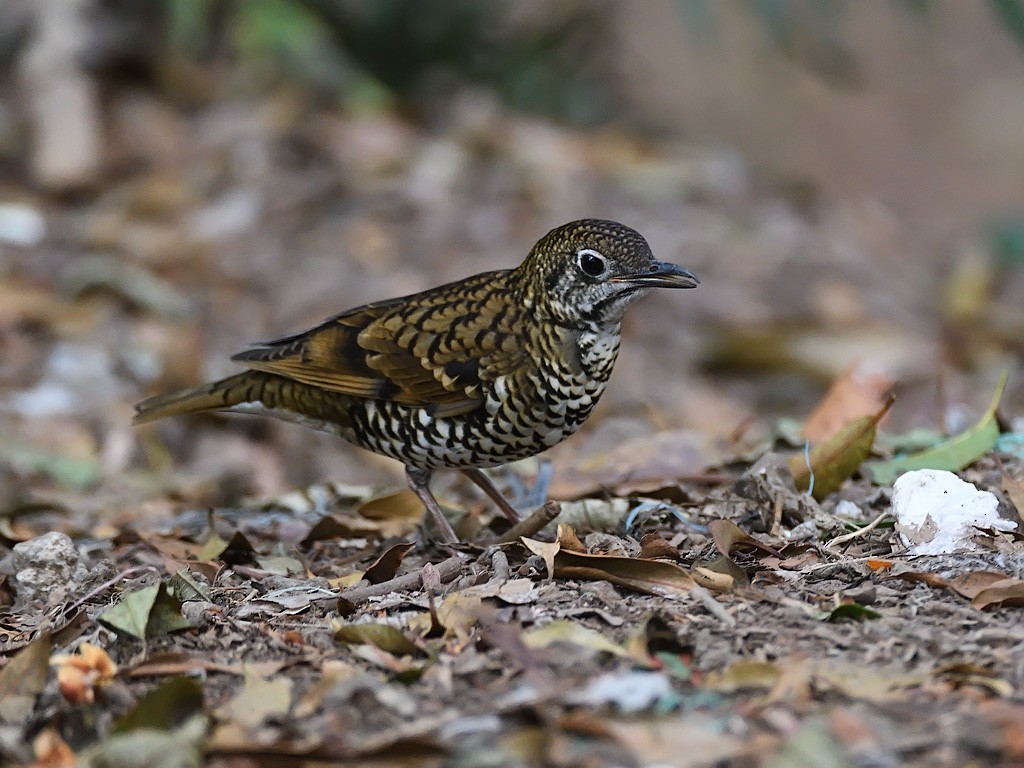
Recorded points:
(727, 536)
(458, 614)
(568, 540)
(395, 505)
(966, 673)
(566, 631)
(713, 580)
(383, 636)
(655, 577)
(858, 392)
(990, 588)
(259, 699)
(1014, 490)
(386, 566)
(983, 588)
(23, 678)
(654, 547)
(544, 549)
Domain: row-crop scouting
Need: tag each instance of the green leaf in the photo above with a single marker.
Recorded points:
(150, 748)
(164, 707)
(149, 612)
(566, 631)
(854, 611)
(383, 636)
(951, 455)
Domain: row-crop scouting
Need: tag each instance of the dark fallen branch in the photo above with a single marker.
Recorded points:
(446, 571)
(536, 522)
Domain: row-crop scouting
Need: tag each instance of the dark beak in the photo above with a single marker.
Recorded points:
(662, 275)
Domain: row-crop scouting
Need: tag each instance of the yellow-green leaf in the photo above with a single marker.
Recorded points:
(834, 460)
(951, 455)
(383, 636)
(565, 631)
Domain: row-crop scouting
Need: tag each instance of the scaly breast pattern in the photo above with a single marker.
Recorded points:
(524, 411)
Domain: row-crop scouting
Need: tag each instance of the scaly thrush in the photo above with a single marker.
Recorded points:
(476, 373)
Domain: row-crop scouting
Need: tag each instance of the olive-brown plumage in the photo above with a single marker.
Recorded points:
(473, 374)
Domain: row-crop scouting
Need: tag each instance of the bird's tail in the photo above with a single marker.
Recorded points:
(247, 387)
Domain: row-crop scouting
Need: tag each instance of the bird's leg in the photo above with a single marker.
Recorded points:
(482, 480)
(419, 482)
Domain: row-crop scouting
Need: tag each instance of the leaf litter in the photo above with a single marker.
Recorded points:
(697, 605)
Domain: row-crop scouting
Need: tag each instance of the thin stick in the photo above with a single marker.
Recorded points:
(129, 572)
(536, 521)
(714, 607)
(854, 534)
(446, 570)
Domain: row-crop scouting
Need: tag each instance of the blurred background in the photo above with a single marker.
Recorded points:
(181, 177)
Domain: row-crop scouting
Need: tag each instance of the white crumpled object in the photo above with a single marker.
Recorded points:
(937, 513)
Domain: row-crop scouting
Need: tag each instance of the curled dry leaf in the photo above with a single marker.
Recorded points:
(654, 577)
(984, 589)
(723, 574)
(858, 392)
(965, 673)
(727, 536)
(654, 547)
(544, 549)
(568, 540)
(715, 580)
(458, 613)
(397, 512)
(386, 566)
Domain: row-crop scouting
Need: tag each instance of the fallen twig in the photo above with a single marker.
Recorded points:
(854, 534)
(715, 608)
(446, 571)
(532, 524)
(125, 574)
(499, 566)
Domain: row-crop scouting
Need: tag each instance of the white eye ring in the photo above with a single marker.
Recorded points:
(591, 263)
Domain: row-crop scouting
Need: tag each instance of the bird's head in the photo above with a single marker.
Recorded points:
(591, 271)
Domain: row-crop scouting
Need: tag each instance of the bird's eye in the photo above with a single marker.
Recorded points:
(591, 262)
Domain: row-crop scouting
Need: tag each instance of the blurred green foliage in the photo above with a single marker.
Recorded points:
(414, 52)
